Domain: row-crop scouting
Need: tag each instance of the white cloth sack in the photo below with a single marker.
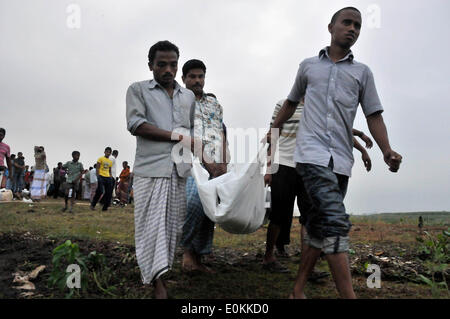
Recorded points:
(236, 199)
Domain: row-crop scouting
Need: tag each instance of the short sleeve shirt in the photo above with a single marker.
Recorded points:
(208, 126)
(105, 164)
(332, 94)
(5, 152)
(74, 170)
(284, 153)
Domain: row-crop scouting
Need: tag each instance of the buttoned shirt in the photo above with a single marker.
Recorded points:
(148, 102)
(208, 126)
(74, 170)
(332, 93)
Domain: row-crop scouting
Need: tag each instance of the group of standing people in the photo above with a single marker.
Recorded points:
(100, 181)
(315, 157)
(16, 176)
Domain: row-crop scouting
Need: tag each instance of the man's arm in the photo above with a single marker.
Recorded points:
(97, 168)
(378, 130)
(363, 136)
(364, 155)
(10, 165)
(154, 133)
(285, 113)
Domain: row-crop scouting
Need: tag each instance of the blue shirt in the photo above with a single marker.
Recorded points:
(332, 94)
(148, 102)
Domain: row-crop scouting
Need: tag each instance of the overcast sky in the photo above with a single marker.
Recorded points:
(63, 80)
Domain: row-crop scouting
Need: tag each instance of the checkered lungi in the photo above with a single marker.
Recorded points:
(198, 229)
(159, 211)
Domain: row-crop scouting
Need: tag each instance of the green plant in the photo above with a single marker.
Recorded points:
(63, 256)
(93, 268)
(436, 249)
(101, 272)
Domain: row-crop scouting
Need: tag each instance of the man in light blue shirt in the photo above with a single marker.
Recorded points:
(333, 85)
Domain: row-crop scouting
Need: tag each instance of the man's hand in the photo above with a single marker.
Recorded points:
(267, 179)
(393, 160)
(215, 170)
(267, 138)
(367, 161)
(367, 140)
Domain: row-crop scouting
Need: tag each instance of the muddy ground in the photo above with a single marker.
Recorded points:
(238, 274)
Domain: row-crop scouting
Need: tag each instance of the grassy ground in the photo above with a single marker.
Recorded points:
(29, 233)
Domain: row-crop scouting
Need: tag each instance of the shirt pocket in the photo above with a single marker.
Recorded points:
(347, 90)
(181, 114)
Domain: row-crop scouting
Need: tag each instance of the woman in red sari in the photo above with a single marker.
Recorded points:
(124, 180)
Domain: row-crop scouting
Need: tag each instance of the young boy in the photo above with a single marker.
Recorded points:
(74, 172)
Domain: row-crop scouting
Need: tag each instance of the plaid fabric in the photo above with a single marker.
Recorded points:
(198, 229)
(159, 211)
(39, 185)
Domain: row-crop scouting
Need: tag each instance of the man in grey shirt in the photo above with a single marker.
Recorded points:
(156, 110)
(333, 85)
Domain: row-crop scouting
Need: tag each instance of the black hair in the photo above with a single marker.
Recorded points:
(59, 163)
(95, 165)
(13, 155)
(115, 152)
(90, 167)
(212, 95)
(108, 148)
(162, 46)
(336, 15)
(3, 130)
(193, 64)
(75, 152)
(125, 162)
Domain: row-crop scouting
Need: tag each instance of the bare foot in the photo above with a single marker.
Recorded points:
(294, 295)
(160, 289)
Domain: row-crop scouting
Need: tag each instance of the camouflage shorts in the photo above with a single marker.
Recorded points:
(327, 223)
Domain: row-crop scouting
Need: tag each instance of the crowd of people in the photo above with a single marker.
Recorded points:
(315, 159)
(69, 180)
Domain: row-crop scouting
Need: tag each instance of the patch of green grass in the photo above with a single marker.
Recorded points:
(46, 219)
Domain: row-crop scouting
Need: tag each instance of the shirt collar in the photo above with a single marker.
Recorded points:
(324, 52)
(153, 83)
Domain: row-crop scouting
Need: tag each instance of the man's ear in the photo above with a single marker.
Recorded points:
(183, 78)
(150, 66)
(330, 28)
